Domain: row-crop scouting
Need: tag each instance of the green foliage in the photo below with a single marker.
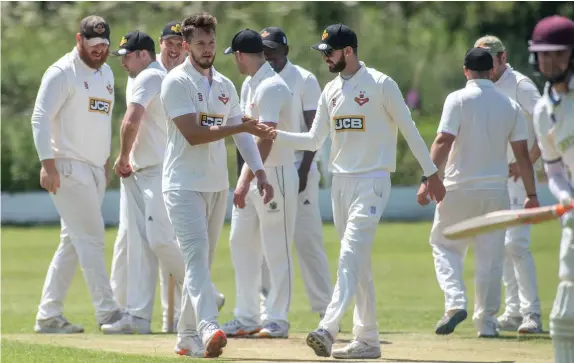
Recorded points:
(419, 44)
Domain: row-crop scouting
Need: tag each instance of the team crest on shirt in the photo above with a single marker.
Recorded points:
(86, 85)
(223, 98)
(361, 100)
(110, 88)
(200, 97)
(334, 101)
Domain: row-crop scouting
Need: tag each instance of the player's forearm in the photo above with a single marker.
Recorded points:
(128, 133)
(440, 150)
(49, 164)
(520, 149)
(264, 146)
(213, 133)
(311, 140)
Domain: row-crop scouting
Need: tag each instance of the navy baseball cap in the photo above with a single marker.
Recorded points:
(246, 41)
(133, 41)
(478, 59)
(273, 37)
(336, 36)
(172, 29)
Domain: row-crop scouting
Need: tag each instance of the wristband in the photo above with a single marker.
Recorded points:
(424, 179)
(532, 195)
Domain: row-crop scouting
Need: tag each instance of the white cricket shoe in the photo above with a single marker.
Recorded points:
(358, 350)
(57, 325)
(531, 324)
(487, 329)
(321, 342)
(274, 330)
(508, 323)
(235, 328)
(190, 346)
(127, 325)
(220, 301)
(112, 318)
(214, 340)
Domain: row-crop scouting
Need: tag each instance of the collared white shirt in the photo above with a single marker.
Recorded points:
(522, 90)
(363, 116)
(72, 115)
(265, 96)
(203, 167)
(306, 94)
(484, 121)
(149, 145)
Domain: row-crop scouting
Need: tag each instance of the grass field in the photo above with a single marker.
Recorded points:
(409, 302)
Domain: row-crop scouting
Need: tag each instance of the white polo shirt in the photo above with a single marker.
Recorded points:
(522, 90)
(363, 116)
(306, 94)
(149, 146)
(266, 97)
(72, 116)
(201, 168)
(484, 121)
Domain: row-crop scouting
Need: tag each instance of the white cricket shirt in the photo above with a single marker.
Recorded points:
(201, 168)
(306, 94)
(363, 116)
(554, 127)
(72, 116)
(484, 121)
(149, 145)
(522, 90)
(265, 96)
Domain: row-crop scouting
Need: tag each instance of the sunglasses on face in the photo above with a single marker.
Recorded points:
(327, 53)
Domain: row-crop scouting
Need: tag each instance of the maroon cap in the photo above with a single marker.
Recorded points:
(552, 33)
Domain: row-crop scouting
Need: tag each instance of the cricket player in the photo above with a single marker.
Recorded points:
(552, 53)
(476, 125)
(308, 234)
(150, 237)
(72, 126)
(362, 109)
(522, 311)
(257, 230)
(203, 109)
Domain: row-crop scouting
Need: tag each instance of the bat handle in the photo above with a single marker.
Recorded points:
(562, 209)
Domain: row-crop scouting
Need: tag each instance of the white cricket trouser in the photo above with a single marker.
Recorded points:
(562, 315)
(308, 238)
(519, 271)
(197, 218)
(358, 205)
(458, 205)
(150, 241)
(265, 231)
(79, 201)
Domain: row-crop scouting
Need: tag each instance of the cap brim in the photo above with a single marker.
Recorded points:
(122, 51)
(95, 41)
(321, 47)
(170, 36)
(271, 44)
(546, 47)
(228, 51)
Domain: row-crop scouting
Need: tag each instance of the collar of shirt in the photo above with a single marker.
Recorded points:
(196, 76)
(506, 73)
(354, 80)
(286, 69)
(79, 60)
(260, 74)
(479, 83)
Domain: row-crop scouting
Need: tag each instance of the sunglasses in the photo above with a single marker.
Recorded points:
(327, 53)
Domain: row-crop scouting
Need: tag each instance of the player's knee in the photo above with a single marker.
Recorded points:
(517, 246)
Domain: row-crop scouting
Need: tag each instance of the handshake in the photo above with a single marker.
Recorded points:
(254, 127)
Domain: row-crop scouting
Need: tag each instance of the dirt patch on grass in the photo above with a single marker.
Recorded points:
(404, 348)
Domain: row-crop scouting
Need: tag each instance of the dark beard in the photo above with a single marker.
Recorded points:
(94, 64)
(339, 66)
(202, 64)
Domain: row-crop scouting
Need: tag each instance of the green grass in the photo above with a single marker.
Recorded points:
(408, 297)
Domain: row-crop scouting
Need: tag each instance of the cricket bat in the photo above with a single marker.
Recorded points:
(504, 219)
(170, 303)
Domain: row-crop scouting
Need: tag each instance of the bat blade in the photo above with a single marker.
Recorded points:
(501, 220)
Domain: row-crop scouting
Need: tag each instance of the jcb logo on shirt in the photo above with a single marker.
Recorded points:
(100, 105)
(349, 123)
(210, 120)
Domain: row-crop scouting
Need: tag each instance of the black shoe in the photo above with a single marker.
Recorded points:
(447, 324)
